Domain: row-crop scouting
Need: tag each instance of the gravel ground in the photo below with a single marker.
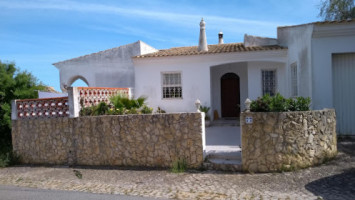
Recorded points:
(333, 180)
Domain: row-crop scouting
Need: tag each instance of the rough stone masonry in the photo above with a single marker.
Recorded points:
(277, 141)
(155, 140)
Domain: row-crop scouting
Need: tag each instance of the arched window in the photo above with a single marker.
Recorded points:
(79, 83)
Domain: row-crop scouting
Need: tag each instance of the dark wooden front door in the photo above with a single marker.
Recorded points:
(230, 95)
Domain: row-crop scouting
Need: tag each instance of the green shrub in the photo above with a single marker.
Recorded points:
(278, 103)
(147, 110)
(8, 158)
(119, 101)
(86, 111)
(179, 166)
(120, 105)
(160, 111)
(303, 104)
(261, 104)
(101, 109)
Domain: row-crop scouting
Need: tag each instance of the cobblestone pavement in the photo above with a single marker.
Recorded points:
(334, 180)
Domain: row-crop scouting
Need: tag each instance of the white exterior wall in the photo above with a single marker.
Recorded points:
(196, 77)
(255, 78)
(298, 41)
(195, 80)
(109, 68)
(328, 40)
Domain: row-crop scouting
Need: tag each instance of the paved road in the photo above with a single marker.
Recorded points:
(16, 193)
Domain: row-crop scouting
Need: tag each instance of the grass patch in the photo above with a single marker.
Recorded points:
(179, 166)
(78, 174)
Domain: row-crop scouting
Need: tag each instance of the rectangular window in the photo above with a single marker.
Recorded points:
(294, 81)
(172, 88)
(269, 82)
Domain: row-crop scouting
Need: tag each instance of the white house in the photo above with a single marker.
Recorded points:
(314, 60)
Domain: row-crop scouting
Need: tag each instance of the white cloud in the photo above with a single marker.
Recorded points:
(178, 19)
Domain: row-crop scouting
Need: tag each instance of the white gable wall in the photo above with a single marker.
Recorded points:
(109, 68)
(328, 40)
(195, 83)
(298, 41)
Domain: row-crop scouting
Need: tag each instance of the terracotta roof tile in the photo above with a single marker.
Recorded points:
(212, 49)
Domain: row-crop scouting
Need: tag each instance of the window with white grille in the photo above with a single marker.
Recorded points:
(269, 82)
(294, 81)
(171, 87)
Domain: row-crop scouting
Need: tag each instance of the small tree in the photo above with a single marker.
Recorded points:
(337, 9)
(14, 84)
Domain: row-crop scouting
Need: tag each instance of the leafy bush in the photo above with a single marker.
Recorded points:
(101, 109)
(119, 105)
(8, 158)
(125, 102)
(14, 84)
(146, 110)
(278, 103)
(261, 104)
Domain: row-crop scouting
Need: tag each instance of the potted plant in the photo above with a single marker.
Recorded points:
(205, 109)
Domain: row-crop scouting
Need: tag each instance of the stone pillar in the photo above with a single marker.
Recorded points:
(74, 102)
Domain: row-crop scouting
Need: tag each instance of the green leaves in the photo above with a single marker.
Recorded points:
(14, 84)
(120, 105)
(337, 9)
(278, 103)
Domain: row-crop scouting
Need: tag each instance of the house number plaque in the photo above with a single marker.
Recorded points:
(248, 120)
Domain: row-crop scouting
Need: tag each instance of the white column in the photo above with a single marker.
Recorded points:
(73, 101)
(13, 110)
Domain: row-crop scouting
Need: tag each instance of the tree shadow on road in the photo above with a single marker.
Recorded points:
(340, 186)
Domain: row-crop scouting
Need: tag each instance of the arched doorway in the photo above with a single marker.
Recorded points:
(230, 95)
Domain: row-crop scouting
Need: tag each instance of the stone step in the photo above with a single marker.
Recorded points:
(223, 152)
(233, 155)
(223, 158)
(223, 165)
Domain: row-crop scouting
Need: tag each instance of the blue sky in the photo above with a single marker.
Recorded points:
(36, 33)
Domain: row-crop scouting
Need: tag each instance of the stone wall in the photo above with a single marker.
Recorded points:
(129, 140)
(287, 140)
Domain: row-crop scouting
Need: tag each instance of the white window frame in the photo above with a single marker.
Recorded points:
(294, 79)
(262, 81)
(177, 85)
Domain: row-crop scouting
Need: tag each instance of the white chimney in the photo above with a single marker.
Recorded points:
(202, 43)
(220, 38)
